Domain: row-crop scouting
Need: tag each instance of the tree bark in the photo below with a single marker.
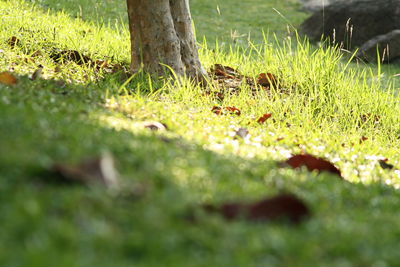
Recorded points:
(162, 35)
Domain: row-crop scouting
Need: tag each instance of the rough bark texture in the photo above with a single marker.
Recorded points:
(353, 22)
(162, 34)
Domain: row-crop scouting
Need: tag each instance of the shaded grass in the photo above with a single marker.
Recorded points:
(226, 21)
(45, 121)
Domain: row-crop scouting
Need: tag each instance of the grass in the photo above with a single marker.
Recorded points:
(215, 20)
(77, 112)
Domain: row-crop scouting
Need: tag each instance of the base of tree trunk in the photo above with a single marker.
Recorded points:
(162, 38)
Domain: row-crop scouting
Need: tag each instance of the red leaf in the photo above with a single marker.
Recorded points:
(233, 110)
(284, 206)
(264, 117)
(222, 110)
(363, 138)
(267, 79)
(217, 110)
(312, 163)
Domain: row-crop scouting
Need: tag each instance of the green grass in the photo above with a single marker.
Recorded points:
(46, 121)
(225, 21)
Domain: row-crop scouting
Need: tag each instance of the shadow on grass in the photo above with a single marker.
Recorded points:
(44, 224)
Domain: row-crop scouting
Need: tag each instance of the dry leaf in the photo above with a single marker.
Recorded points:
(385, 165)
(225, 71)
(97, 170)
(37, 73)
(367, 117)
(37, 53)
(217, 110)
(101, 64)
(71, 55)
(224, 110)
(281, 207)
(312, 163)
(264, 117)
(7, 78)
(266, 80)
(233, 110)
(57, 69)
(13, 42)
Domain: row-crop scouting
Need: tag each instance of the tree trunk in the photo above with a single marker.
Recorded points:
(162, 34)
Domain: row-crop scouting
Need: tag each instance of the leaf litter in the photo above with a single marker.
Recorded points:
(283, 207)
(8, 79)
(264, 117)
(312, 163)
(62, 56)
(225, 110)
(229, 81)
(98, 170)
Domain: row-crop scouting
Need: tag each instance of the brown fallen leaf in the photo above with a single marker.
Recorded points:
(228, 80)
(98, 170)
(155, 126)
(7, 78)
(225, 71)
(281, 207)
(37, 53)
(71, 55)
(224, 110)
(217, 110)
(233, 110)
(13, 42)
(385, 165)
(267, 80)
(370, 117)
(264, 117)
(37, 73)
(219, 96)
(312, 163)
(101, 64)
(57, 69)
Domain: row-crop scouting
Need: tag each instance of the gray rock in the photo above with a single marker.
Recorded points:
(388, 46)
(353, 22)
(315, 5)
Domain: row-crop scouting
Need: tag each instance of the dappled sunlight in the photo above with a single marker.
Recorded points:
(100, 167)
(222, 138)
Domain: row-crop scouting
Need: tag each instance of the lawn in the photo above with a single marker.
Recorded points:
(323, 106)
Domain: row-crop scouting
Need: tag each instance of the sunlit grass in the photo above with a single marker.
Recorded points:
(326, 107)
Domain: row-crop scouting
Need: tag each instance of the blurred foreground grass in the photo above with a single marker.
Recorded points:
(73, 112)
